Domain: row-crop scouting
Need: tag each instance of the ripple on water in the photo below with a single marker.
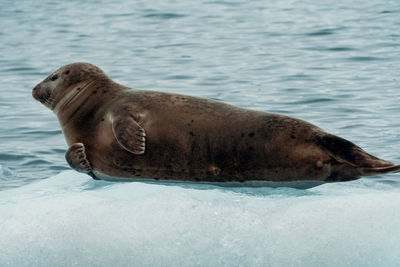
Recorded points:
(179, 77)
(314, 100)
(14, 157)
(341, 49)
(36, 162)
(42, 132)
(118, 15)
(165, 15)
(322, 32)
(330, 49)
(300, 76)
(387, 11)
(364, 58)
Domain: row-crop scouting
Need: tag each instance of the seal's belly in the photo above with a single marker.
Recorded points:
(250, 183)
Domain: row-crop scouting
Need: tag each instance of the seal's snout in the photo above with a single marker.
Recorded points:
(35, 92)
(42, 94)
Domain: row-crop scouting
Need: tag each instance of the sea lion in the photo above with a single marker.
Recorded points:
(115, 131)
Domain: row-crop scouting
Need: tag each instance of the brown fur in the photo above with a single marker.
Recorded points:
(195, 139)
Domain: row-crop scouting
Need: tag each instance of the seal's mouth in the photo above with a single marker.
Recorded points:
(43, 95)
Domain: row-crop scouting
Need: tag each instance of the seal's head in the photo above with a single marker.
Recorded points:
(66, 83)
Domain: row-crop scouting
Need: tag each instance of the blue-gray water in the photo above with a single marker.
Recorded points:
(333, 63)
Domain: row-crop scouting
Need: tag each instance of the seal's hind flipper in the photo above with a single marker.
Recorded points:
(379, 170)
(129, 134)
(345, 151)
(349, 161)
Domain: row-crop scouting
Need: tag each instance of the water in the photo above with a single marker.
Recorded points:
(333, 63)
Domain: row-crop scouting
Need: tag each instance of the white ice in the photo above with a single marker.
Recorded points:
(71, 220)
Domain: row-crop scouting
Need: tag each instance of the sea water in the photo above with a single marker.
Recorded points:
(335, 64)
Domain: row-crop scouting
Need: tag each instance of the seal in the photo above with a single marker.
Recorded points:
(115, 131)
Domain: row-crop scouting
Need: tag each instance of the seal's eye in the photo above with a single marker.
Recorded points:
(54, 77)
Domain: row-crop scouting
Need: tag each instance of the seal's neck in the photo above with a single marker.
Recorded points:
(78, 108)
(75, 94)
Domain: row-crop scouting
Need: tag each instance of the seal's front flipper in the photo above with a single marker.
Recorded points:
(129, 134)
(76, 158)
